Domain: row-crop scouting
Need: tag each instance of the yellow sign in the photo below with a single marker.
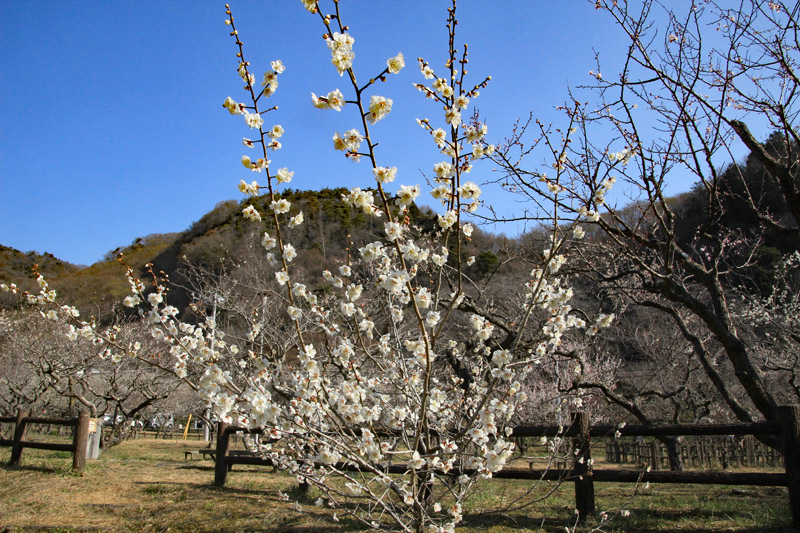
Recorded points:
(92, 425)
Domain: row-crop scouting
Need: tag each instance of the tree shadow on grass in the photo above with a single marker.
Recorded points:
(656, 521)
(514, 521)
(199, 466)
(36, 468)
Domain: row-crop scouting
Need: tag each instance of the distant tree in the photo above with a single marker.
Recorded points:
(49, 368)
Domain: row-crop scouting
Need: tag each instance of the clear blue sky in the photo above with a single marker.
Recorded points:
(112, 124)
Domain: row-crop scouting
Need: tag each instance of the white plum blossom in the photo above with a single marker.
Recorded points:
(289, 253)
(590, 214)
(444, 170)
(395, 282)
(371, 251)
(469, 191)
(384, 174)
(423, 297)
(253, 120)
(268, 241)
(284, 175)
(395, 64)
(232, 106)
(416, 462)
(276, 132)
(448, 219)
(277, 66)
(439, 137)
(270, 83)
(604, 321)
(441, 193)
(250, 213)
(407, 194)
(354, 292)
(453, 117)
(349, 141)
(361, 199)
(250, 189)
(333, 100)
(426, 70)
(281, 206)
(296, 220)
(393, 230)
(379, 107)
(282, 277)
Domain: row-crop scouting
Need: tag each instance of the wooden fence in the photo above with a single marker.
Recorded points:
(80, 437)
(715, 452)
(583, 474)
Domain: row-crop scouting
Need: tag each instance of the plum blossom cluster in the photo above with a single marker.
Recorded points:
(461, 143)
(341, 47)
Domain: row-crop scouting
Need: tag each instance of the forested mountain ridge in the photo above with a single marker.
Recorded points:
(220, 241)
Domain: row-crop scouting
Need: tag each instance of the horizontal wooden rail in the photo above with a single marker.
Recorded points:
(659, 430)
(654, 430)
(41, 420)
(602, 475)
(761, 479)
(52, 421)
(52, 446)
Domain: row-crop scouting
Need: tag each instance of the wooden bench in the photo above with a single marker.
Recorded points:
(560, 464)
(187, 454)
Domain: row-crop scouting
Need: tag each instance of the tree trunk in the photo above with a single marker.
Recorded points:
(673, 453)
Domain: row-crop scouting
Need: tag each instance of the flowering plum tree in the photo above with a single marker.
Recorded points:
(396, 384)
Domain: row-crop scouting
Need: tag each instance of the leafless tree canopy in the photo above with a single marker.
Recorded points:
(696, 87)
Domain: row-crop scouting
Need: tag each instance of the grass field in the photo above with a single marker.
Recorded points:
(146, 485)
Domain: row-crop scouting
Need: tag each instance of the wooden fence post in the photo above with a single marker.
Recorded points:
(221, 465)
(582, 466)
(654, 457)
(19, 433)
(790, 420)
(80, 441)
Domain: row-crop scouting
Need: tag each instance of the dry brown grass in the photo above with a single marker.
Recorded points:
(146, 485)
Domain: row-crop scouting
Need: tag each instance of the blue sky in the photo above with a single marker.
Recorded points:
(112, 125)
